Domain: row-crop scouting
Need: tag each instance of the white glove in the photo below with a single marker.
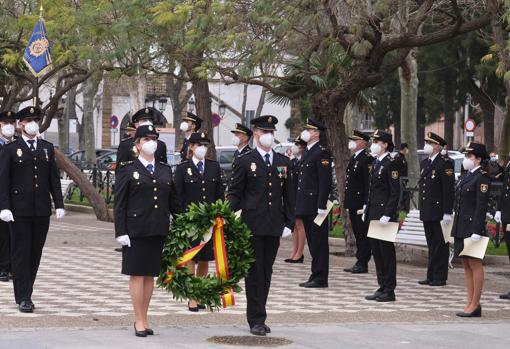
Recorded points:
(60, 213)
(286, 232)
(475, 237)
(497, 217)
(322, 212)
(361, 211)
(6, 216)
(447, 219)
(124, 240)
(384, 219)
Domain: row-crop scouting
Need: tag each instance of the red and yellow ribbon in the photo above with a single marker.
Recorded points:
(220, 254)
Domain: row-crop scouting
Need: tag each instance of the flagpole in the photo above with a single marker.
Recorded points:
(35, 87)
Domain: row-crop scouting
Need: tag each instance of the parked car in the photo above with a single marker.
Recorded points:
(78, 157)
(283, 148)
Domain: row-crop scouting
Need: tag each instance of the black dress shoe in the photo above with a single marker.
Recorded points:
(386, 297)
(258, 330)
(359, 270)
(374, 296)
(193, 309)
(475, 313)
(118, 249)
(4, 276)
(437, 283)
(348, 270)
(304, 283)
(267, 328)
(149, 331)
(300, 260)
(505, 296)
(315, 284)
(26, 307)
(424, 282)
(200, 306)
(140, 333)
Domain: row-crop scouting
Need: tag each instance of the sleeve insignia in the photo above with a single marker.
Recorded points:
(484, 188)
(394, 174)
(325, 162)
(449, 171)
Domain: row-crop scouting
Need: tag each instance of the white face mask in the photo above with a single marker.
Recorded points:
(145, 123)
(468, 164)
(352, 145)
(235, 140)
(444, 152)
(200, 152)
(428, 149)
(375, 149)
(295, 150)
(8, 130)
(266, 140)
(149, 147)
(32, 128)
(184, 126)
(305, 135)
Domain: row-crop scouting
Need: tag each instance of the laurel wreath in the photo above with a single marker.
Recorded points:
(192, 225)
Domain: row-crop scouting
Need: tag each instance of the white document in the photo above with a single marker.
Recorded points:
(238, 214)
(447, 231)
(322, 217)
(385, 232)
(508, 227)
(475, 248)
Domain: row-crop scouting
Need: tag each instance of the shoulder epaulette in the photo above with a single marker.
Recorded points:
(246, 153)
(163, 163)
(124, 163)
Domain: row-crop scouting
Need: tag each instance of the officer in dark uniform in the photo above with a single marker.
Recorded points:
(400, 160)
(241, 140)
(471, 204)
(198, 180)
(190, 124)
(29, 178)
(502, 215)
(494, 169)
(383, 196)
(314, 187)
(437, 188)
(262, 188)
(7, 122)
(356, 195)
(127, 150)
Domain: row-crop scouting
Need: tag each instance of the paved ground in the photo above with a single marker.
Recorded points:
(80, 286)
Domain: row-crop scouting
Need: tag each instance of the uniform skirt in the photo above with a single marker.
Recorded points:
(206, 253)
(458, 247)
(143, 258)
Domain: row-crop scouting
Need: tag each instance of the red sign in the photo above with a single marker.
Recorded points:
(470, 125)
(114, 121)
(215, 119)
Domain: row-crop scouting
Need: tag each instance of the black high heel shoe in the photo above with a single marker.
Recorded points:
(300, 260)
(140, 333)
(193, 309)
(200, 306)
(149, 331)
(475, 313)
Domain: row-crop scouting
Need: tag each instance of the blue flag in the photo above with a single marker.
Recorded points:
(37, 53)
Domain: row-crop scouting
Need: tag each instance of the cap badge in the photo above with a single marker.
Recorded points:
(270, 119)
(31, 110)
(150, 128)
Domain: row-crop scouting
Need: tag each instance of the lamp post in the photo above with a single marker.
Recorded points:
(152, 98)
(191, 105)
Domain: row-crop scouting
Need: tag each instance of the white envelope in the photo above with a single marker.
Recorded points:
(385, 232)
(447, 231)
(475, 249)
(321, 218)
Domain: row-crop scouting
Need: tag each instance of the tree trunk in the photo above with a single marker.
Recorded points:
(408, 74)
(89, 93)
(137, 86)
(450, 87)
(481, 97)
(243, 106)
(95, 200)
(63, 130)
(262, 100)
(332, 113)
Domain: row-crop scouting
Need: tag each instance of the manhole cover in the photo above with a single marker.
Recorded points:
(250, 341)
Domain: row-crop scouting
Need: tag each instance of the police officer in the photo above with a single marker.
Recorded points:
(128, 151)
(400, 160)
(241, 140)
(314, 187)
(356, 195)
(437, 188)
(471, 205)
(198, 180)
(144, 198)
(29, 178)
(383, 196)
(262, 188)
(7, 130)
(190, 124)
(502, 215)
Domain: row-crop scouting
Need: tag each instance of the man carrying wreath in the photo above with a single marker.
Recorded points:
(262, 188)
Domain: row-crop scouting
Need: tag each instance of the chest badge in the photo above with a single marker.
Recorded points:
(484, 188)
(380, 170)
(433, 174)
(253, 167)
(282, 171)
(46, 154)
(394, 174)
(136, 175)
(19, 152)
(189, 171)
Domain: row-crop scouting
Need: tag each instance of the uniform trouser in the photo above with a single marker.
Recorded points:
(318, 244)
(258, 280)
(507, 237)
(439, 252)
(360, 229)
(28, 236)
(385, 264)
(5, 247)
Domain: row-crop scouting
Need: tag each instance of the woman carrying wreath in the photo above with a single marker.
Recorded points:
(144, 198)
(198, 180)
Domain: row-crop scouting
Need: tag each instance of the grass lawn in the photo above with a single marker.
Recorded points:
(500, 251)
(75, 199)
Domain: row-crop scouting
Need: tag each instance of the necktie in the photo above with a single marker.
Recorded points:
(31, 141)
(268, 163)
(200, 166)
(150, 168)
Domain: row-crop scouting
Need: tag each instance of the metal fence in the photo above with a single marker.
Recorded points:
(102, 180)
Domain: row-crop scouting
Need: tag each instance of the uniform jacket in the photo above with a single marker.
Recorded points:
(192, 187)
(128, 152)
(401, 162)
(264, 193)
(471, 204)
(295, 167)
(28, 180)
(504, 198)
(314, 181)
(384, 190)
(357, 180)
(238, 153)
(437, 189)
(144, 201)
(184, 150)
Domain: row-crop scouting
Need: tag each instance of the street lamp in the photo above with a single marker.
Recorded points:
(162, 104)
(222, 108)
(191, 105)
